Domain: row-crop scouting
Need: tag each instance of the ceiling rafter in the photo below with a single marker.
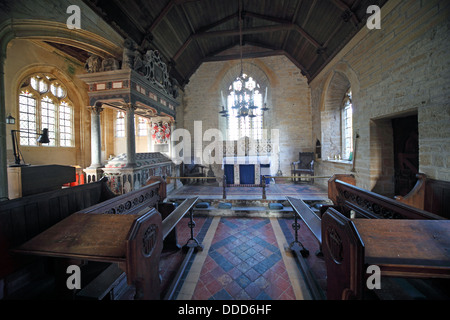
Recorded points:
(287, 24)
(161, 15)
(201, 30)
(291, 28)
(347, 10)
(192, 30)
(294, 17)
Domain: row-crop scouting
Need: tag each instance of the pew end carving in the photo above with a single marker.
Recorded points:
(144, 247)
(343, 252)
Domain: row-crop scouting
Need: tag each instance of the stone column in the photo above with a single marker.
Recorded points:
(131, 139)
(96, 141)
(3, 160)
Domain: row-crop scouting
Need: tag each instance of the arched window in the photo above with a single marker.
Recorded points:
(120, 124)
(142, 127)
(43, 103)
(347, 126)
(252, 124)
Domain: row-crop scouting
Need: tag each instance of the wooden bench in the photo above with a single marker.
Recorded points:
(112, 279)
(429, 195)
(350, 201)
(123, 264)
(169, 234)
(399, 248)
(133, 241)
(361, 205)
(113, 276)
(23, 218)
(353, 201)
(313, 222)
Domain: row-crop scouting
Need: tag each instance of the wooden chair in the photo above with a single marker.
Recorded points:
(304, 166)
(193, 170)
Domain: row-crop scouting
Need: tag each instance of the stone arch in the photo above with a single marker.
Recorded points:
(340, 77)
(49, 30)
(249, 68)
(337, 83)
(58, 32)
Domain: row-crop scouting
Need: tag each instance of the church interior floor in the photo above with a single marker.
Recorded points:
(273, 191)
(244, 258)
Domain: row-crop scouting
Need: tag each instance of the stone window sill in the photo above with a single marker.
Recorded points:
(339, 161)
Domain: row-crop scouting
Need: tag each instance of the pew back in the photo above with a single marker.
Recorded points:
(128, 203)
(429, 195)
(23, 218)
(370, 205)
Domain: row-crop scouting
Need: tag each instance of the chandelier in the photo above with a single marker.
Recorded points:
(243, 90)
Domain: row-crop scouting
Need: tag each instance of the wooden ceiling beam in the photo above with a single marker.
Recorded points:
(264, 29)
(162, 15)
(248, 55)
(201, 30)
(264, 17)
(218, 23)
(346, 10)
(290, 25)
(236, 32)
(294, 17)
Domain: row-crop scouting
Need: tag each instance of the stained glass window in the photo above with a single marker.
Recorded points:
(247, 126)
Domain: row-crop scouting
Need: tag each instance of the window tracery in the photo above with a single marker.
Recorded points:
(43, 103)
(250, 125)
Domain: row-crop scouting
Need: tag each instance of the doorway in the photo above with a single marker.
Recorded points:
(406, 153)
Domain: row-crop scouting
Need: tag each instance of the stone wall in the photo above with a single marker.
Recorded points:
(288, 100)
(25, 58)
(399, 70)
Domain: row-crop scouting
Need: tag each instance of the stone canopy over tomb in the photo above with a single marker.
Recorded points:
(140, 80)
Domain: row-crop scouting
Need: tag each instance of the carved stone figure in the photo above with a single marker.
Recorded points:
(93, 64)
(128, 54)
(138, 63)
(110, 64)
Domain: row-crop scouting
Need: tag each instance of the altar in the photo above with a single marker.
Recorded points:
(246, 170)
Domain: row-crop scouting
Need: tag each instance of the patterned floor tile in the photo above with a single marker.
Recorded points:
(246, 258)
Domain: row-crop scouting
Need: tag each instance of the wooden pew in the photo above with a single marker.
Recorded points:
(133, 241)
(169, 233)
(429, 195)
(132, 204)
(351, 200)
(23, 218)
(171, 216)
(313, 222)
(400, 248)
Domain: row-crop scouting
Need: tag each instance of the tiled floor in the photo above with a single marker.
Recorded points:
(243, 258)
(273, 191)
